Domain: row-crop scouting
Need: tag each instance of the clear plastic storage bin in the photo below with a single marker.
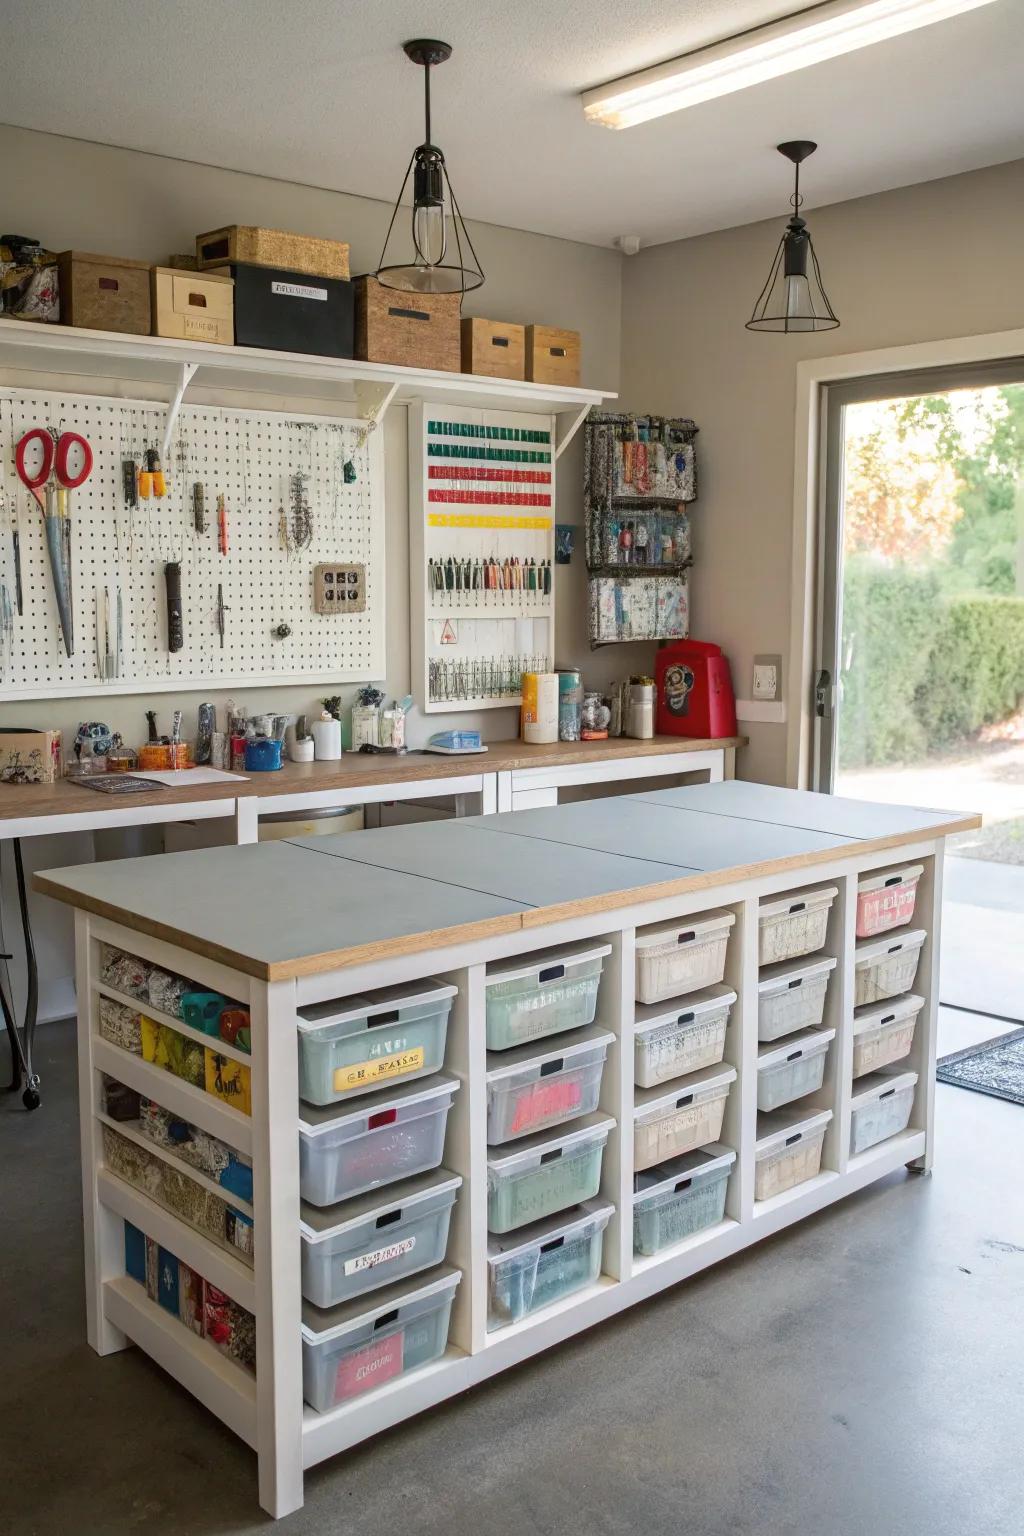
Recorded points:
(394, 1136)
(884, 1033)
(675, 958)
(360, 1245)
(528, 1091)
(881, 1107)
(884, 968)
(792, 997)
(677, 1199)
(796, 924)
(368, 1042)
(545, 1174)
(544, 1262)
(793, 1069)
(543, 994)
(887, 900)
(668, 1124)
(788, 1149)
(671, 1044)
(354, 1348)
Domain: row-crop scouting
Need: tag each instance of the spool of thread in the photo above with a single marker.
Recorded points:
(327, 739)
(539, 715)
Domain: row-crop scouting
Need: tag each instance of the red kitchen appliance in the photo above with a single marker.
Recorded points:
(695, 696)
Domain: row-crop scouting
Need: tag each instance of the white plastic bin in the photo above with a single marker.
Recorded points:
(675, 958)
(545, 1174)
(542, 994)
(544, 1262)
(886, 967)
(354, 1348)
(881, 1107)
(887, 900)
(396, 1135)
(360, 1245)
(792, 997)
(528, 1091)
(667, 1124)
(795, 924)
(793, 1069)
(679, 1198)
(692, 1035)
(788, 1149)
(365, 1043)
(883, 1033)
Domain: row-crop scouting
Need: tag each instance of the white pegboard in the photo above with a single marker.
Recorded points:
(248, 456)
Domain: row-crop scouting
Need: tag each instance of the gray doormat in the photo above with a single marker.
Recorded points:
(995, 1067)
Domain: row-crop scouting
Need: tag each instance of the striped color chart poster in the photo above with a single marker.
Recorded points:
(487, 476)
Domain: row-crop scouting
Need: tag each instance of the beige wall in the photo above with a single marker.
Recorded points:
(926, 263)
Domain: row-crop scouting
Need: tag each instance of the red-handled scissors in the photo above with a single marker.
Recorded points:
(43, 455)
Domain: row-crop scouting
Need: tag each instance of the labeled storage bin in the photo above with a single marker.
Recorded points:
(529, 1091)
(788, 1150)
(544, 1262)
(290, 311)
(366, 1042)
(792, 997)
(675, 958)
(545, 1174)
(886, 967)
(887, 900)
(192, 306)
(359, 1345)
(793, 1069)
(668, 1045)
(667, 1124)
(885, 1033)
(677, 1199)
(543, 994)
(881, 1107)
(360, 1245)
(793, 925)
(394, 1135)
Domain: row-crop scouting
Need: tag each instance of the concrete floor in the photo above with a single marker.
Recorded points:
(862, 1372)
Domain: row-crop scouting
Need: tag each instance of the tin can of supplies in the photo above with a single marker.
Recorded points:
(539, 720)
(570, 704)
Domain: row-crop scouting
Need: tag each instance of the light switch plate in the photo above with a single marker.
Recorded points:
(767, 677)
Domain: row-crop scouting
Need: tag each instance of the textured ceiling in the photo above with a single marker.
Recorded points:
(318, 91)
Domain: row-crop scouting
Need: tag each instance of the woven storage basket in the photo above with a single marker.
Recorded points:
(272, 248)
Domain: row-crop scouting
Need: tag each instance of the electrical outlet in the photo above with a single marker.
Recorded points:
(767, 677)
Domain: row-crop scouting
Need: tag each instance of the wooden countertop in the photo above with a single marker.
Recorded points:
(287, 909)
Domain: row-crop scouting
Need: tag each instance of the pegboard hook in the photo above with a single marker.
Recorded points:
(184, 379)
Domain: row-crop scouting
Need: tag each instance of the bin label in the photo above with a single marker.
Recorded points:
(370, 1366)
(379, 1256)
(361, 1073)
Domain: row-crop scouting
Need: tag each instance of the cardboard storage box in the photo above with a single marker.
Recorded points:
(291, 311)
(29, 756)
(272, 248)
(415, 330)
(192, 306)
(552, 356)
(493, 348)
(104, 293)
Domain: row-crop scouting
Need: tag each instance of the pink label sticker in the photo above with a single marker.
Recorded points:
(369, 1366)
(546, 1101)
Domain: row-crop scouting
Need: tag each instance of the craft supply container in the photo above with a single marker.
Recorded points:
(792, 997)
(356, 1347)
(793, 1069)
(542, 994)
(104, 293)
(881, 1107)
(552, 355)
(192, 306)
(545, 1174)
(494, 348)
(675, 958)
(676, 1199)
(796, 924)
(529, 1091)
(886, 967)
(121, 1025)
(788, 1149)
(670, 1044)
(360, 1245)
(416, 330)
(291, 311)
(885, 1033)
(177, 1192)
(124, 972)
(366, 1042)
(570, 705)
(395, 1135)
(667, 1124)
(544, 1262)
(887, 900)
(309, 254)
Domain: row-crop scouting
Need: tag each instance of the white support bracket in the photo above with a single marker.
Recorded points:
(567, 424)
(184, 379)
(373, 398)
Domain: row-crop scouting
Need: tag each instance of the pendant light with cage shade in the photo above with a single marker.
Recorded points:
(793, 300)
(440, 252)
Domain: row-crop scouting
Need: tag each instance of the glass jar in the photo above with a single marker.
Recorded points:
(594, 718)
(365, 726)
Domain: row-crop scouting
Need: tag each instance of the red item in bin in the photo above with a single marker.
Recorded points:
(695, 696)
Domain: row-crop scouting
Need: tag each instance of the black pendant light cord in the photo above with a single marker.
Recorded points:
(426, 99)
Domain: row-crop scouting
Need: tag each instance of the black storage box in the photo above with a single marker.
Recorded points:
(291, 311)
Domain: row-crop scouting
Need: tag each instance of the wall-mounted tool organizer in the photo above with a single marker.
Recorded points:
(482, 526)
(276, 530)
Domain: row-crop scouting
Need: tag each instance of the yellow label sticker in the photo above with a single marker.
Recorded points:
(362, 1073)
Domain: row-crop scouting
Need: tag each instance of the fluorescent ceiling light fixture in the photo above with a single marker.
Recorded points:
(823, 32)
